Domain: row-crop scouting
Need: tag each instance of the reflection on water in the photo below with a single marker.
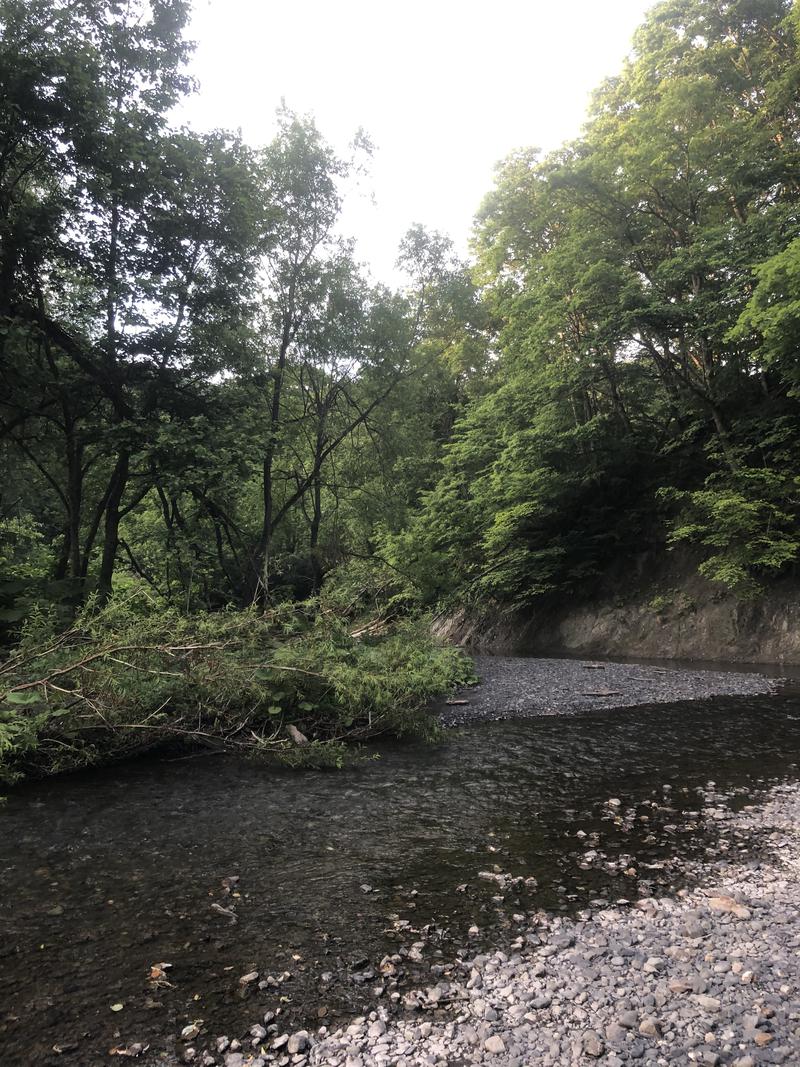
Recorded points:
(106, 873)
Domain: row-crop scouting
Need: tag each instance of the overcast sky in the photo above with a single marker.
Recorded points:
(445, 89)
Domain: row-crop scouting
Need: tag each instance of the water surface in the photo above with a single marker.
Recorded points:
(103, 874)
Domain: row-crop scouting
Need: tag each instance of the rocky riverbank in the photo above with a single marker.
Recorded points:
(708, 975)
(513, 686)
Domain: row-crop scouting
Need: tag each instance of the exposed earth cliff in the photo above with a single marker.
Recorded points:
(649, 607)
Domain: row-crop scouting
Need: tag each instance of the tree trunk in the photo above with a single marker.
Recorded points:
(316, 521)
(75, 502)
(260, 588)
(119, 480)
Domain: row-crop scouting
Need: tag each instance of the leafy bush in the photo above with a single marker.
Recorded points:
(296, 683)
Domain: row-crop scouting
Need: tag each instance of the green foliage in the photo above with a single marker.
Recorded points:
(133, 675)
(772, 315)
(202, 391)
(23, 549)
(204, 395)
(369, 586)
(642, 288)
(750, 519)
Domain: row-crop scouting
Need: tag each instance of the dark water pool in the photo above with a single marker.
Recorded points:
(106, 873)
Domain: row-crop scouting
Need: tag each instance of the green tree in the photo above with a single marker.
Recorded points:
(615, 272)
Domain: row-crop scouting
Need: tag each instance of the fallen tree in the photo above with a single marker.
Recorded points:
(299, 684)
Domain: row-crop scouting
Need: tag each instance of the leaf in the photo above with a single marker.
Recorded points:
(21, 698)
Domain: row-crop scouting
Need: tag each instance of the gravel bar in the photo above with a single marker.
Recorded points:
(705, 976)
(515, 687)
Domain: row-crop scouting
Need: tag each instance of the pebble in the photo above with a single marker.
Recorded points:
(298, 1042)
(707, 1003)
(494, 1044)
(593, 1044)
(648, 1027)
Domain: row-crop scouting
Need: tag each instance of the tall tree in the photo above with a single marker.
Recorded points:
(136, 291)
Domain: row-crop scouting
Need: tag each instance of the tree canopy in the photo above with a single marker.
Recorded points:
(205, 395)
(642, 290)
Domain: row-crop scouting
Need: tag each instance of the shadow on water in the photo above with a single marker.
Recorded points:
(106, 873)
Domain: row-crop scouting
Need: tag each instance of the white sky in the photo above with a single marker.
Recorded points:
(444, 88)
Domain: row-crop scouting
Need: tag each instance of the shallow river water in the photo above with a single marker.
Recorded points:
(104, 874)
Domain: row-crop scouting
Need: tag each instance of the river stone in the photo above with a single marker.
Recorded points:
(707, 1003)
(592, 1044)
(729, 906)
(297, 1042)
(615, 1033)
(648, 1027)
(494, 1044)
(680, 985)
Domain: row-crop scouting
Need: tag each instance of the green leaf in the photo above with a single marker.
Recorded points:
(21, 698)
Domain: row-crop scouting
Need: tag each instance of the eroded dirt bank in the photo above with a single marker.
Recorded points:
(655, 607)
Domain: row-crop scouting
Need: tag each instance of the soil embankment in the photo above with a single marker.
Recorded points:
(655, 607)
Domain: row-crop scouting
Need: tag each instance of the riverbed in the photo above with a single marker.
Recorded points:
(159, 895)
(528, 687)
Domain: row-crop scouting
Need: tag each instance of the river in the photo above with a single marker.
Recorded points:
(106, 873)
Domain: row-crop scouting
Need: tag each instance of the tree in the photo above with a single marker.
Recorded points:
(137, 289)
(615, 271)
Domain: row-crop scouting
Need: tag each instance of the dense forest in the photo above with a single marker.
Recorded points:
(229, 458)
